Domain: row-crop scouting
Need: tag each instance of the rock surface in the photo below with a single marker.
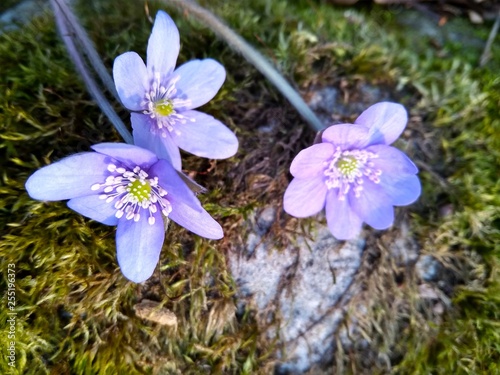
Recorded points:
(21, 14)
(303, 287)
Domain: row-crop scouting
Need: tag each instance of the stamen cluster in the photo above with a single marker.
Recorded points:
(161, 105)
(133, 191)
(346, 170)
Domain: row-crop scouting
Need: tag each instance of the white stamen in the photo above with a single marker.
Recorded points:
(133, 192)
(347, 170)
(162, 98)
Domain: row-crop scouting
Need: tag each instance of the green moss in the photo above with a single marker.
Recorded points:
(75, 310)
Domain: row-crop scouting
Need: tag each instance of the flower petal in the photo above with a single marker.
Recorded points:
(199, 81)
(310, 161)
(198, 222)
(163, 46)
(131, 80)
(138, 246)
(68, 178)
(129, 155)
(305, 197)
(373, 205)
(398, 178)
(147, 137)
(205, 136)
(385, 120)
(391, 160)
(402, 189)
(346, 136)
(176, 188)
(94, 208)
(343, 222)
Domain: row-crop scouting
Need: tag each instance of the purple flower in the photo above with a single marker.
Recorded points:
(163, 99)
(354, 173)
(130, 187)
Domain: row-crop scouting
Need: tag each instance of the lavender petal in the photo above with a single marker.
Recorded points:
(131, 80)
(163, 46)
(198, 222)
(342, 221)
(130, 155)
(138, 246)
(373, 205)
(95, 208)
(305, 197)
(68, 178)
(385, 120)
(176, 188)
(391, 160)
(146, 136)
(310, 162)
(346, 136)
(205, 136)
(200, 80)
(402, 189)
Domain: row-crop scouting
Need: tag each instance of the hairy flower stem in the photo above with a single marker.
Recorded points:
(240, 45)
(66, 22)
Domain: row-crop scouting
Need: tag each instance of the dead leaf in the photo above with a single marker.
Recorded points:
(151, 310)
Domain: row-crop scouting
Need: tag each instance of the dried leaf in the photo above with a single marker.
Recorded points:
(150, 310)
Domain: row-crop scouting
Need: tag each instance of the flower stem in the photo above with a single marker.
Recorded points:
(237, 43)
(66, 22)
(88, 48)
(487, 48)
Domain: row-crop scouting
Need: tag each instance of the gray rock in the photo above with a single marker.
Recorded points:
(323, 99)
(404, 248)
(330, 107)
(301, 289)
(21, 14)
(266, 219)
(429, 268)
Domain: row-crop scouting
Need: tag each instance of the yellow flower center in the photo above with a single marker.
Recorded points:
(347, 165)
(164, 107)
(347, 169)
(135, 193)
(141, 190)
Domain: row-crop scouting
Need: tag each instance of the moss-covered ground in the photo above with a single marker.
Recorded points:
(74, 308)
